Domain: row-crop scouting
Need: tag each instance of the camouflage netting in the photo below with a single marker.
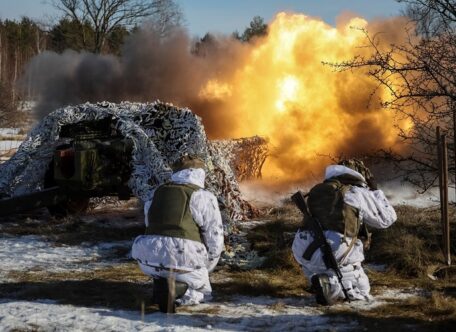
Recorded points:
(161, 133)
(246, 155)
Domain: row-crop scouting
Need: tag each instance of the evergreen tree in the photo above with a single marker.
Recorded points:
(256, 29)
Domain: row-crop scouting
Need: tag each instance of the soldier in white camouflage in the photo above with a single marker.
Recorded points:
(184, 232)
(345, 203)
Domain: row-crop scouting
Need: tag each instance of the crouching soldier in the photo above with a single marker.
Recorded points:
(342, 205)
(184, 237)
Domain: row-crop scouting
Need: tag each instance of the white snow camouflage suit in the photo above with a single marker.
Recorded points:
(375, 211)
(194, 260)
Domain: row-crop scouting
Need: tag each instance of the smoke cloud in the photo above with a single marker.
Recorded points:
(150, 67)
(275, 87)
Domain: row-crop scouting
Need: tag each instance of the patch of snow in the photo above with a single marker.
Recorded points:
(240, 314)
(9, 131)
(27, 253)
(9, 145)
(387, 295)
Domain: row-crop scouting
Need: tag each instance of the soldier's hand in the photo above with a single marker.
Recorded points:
(372, 183)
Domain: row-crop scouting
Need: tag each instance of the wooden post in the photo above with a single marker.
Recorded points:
(454, 147)
(446, 220)
(442, 155)
(439, 169)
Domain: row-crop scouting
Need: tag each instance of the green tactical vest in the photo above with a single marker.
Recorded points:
(326, 203)
(170, 215)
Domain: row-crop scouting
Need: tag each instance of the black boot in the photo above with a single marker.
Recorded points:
(322, 288)
(165, 295)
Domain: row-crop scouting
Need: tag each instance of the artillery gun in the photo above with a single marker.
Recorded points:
(105, 149)
(92, 159)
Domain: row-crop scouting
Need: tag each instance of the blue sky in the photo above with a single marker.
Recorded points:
(229, 15)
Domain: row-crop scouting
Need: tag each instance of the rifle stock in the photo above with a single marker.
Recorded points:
(318, 233)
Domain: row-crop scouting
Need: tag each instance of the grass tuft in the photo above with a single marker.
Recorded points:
(413, 243)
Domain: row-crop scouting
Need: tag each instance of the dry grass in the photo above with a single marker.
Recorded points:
(6, 154)
(101, 227)
(433, 312)
(280, 275)
(278, 306)
(121, 272)
(262, 282)
(412, 244)
(410, 249)
(122, 286)
(13, 137)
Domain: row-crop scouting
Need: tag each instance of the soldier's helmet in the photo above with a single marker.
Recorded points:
(357, 165)
(187, 161)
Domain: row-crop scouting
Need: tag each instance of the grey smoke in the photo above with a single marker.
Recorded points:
(151, 67)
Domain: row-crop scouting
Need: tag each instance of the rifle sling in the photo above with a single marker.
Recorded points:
(315, 245)
(311, 248)
(350, 247)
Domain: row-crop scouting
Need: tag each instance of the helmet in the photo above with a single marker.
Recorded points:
(187, 161)
(358, 166)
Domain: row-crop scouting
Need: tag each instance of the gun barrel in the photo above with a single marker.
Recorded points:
(47, 197)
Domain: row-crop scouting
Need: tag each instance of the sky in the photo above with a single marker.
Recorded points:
(229, 15)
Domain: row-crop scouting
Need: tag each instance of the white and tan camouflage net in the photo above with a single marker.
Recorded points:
(245, 155)
(161, 133)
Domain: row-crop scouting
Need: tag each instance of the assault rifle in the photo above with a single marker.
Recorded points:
(319, 236)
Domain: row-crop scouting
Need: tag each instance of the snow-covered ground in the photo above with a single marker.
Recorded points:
(23, 254)
(9, 131)
(9, 145)
(10, 140)
(237, 314)
(34, 253)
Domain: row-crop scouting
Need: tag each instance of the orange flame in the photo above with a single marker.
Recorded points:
(284, 92)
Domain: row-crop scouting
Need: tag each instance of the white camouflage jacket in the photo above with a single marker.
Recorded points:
(374, 210)
(184, 254)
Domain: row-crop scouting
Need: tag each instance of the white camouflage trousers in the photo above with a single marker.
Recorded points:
(199, 287)
(354, 278)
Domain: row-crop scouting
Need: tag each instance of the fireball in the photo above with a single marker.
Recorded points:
(283, 90)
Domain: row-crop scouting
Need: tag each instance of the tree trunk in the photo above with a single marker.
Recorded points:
(13, 86)
(98, 43)
(5, 71)
(38, 49)
(1, 56)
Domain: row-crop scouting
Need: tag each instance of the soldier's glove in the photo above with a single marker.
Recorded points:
(372, 184)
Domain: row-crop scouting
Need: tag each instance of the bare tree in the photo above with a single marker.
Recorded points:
(167, 17)
(107, 15)
(420, 75)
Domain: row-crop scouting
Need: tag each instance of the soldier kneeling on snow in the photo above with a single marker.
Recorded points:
(184, 237)
(343, 204)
